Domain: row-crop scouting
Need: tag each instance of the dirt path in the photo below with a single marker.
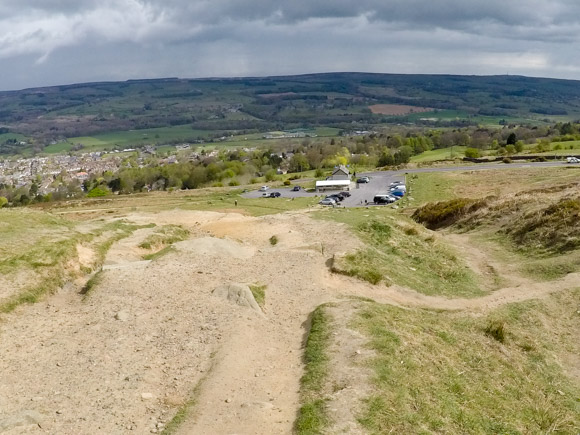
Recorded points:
(126, 358)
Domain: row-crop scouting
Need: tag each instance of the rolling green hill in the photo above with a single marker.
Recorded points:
(210, 108)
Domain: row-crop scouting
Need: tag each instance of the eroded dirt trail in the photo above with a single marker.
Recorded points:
(126, 358)
(254, 386)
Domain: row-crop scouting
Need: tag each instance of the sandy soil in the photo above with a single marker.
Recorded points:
(151, 334)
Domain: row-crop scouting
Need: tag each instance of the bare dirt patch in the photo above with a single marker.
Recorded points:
(397, 109)
(128, 356)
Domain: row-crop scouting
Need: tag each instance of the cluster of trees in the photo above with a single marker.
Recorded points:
(390, 147)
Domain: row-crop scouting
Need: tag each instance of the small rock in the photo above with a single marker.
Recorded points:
(228, 400)
(122, 316)
(146, 396)
(23, 418)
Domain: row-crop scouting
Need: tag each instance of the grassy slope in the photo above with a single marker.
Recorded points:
(439, 154)
(441, 372)
(400, 252)
(211, 199)
(43, 248)
(438, 186)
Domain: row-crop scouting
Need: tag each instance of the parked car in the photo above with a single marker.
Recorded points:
(399, 187)
(327, 201)
(345, 194)
(363, 180)
(296, 189)
(335, 196)
(395, 183)
(399, 193)
(384, 199)
(264, 188)
(274, 195)
(572, 160)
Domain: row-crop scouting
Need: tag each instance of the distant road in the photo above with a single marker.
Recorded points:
(474, 167)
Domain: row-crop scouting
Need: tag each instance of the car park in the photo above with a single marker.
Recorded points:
(327, 201)
(274, 195)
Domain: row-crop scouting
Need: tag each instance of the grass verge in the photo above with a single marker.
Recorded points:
(312, 416)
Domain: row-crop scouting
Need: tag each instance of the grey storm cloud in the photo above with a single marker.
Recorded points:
(258, 37)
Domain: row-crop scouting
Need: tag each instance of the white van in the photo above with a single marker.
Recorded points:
(572, 160)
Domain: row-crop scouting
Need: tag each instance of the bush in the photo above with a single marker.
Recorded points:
(287, 183)
(234, 183)
(270, 175)
(3, 201)
(97, 192)
(472, 153)
(444, 213)
(273, 240)
(506, 160)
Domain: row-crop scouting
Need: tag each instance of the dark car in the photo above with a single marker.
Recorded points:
(274, 195)
(345, 194)
(336, 197)
(296, 189)
(384, 199)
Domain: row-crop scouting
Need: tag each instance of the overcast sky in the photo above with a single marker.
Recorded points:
(47, 42)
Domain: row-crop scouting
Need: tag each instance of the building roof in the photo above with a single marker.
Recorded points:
(341, 168)
(326, 183)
